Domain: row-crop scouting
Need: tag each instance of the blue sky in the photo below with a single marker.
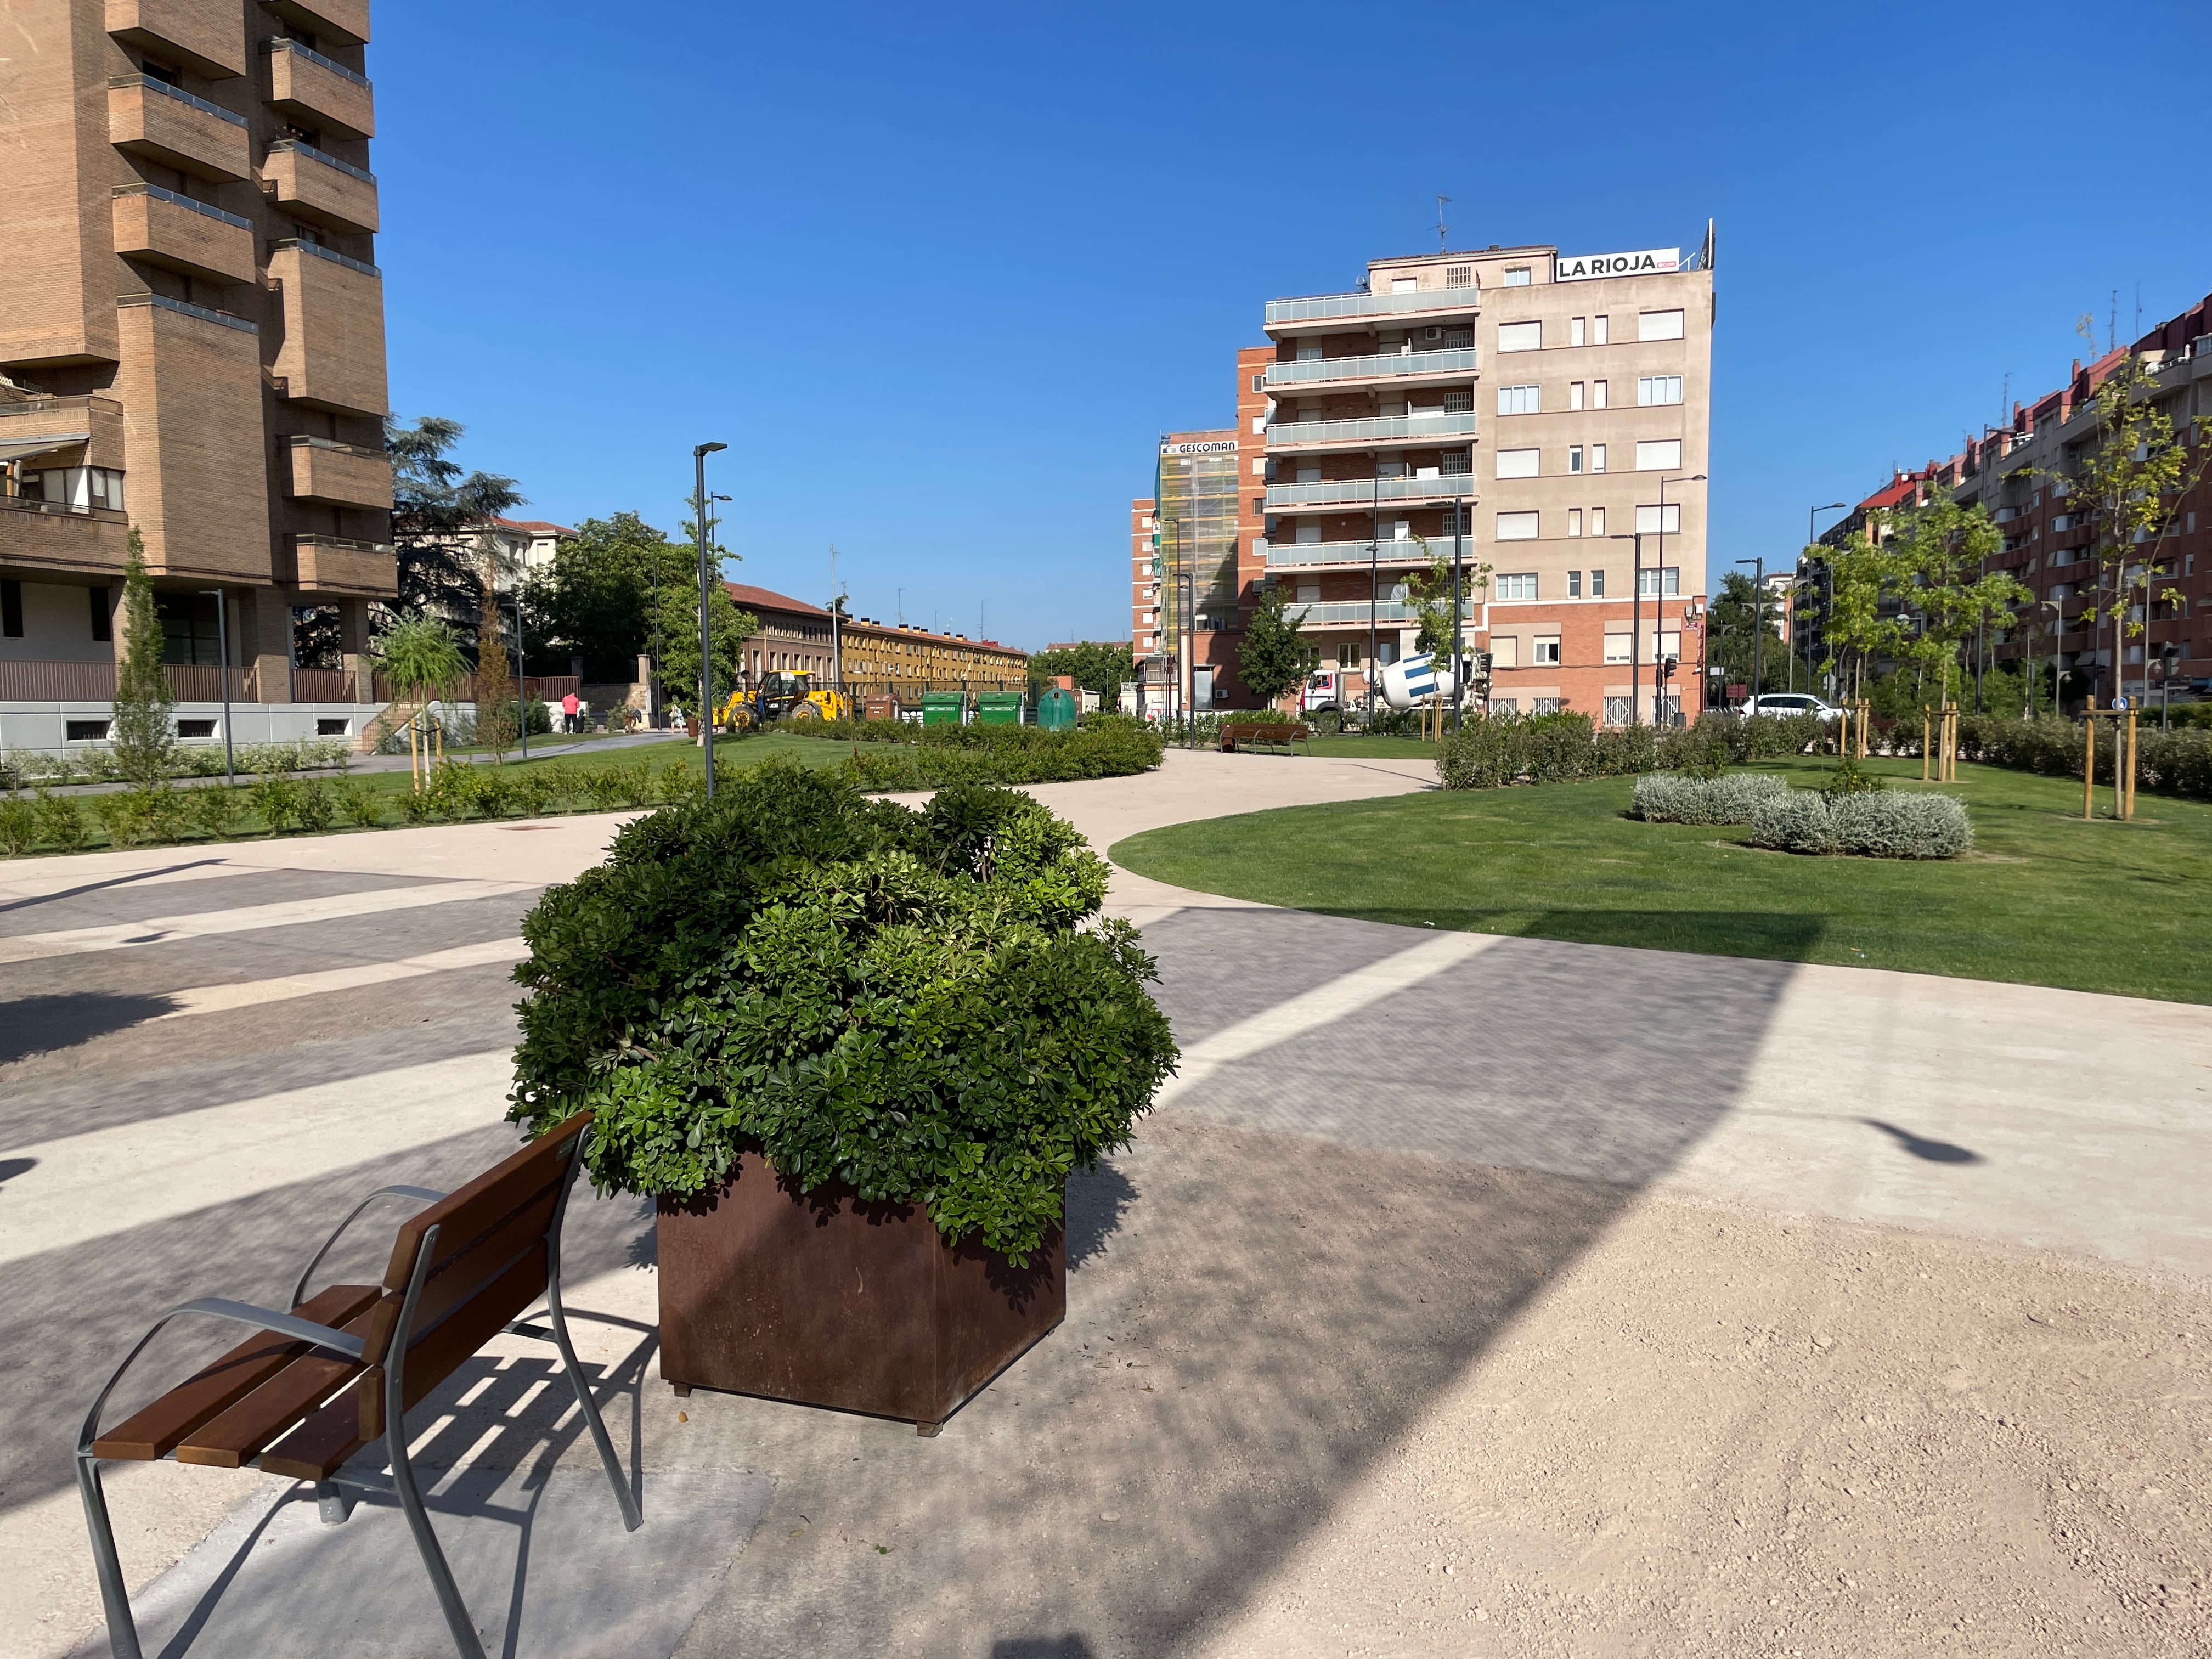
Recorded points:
(939, 276)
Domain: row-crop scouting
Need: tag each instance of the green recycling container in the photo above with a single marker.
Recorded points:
(944, 708)
(999, 708)
(1057, 709)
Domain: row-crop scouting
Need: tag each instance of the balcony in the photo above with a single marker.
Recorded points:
(334, 567)
(1390, 611)
(1364, 492)
(1387, 431)
(1457, 363)
(1389, 554)
(341, 474)
(314, 91)
(164, 228)
(332, 356)
(1334, 307)
(148, 118)
(47, 536)
(50, 426)
(205, 35)
(340, 20)
(320, 188)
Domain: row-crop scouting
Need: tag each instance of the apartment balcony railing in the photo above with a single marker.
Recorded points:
(321, 188)
(1391, 365)
(165, 227)
(1318, 308)
(94, 682)
(1353, 611)
(337, 565)
(1374, 428)
(344, 475)
(1389, 552)
(1356, 492)
(167, 124)
(48, 536)
(305, 83)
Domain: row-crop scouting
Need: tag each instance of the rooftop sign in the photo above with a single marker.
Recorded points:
(1206, 447)
(1649, 262)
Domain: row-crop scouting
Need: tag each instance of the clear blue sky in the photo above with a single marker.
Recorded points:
(939, 276)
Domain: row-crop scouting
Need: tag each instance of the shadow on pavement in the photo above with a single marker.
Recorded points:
(45, 1025)
(1774, 935)
(1934, 1152)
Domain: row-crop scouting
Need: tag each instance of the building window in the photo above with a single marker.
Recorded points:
(1519, 400)
(1658, 455)
(1652, 521)
(1520, 337)
(1616, 647)
(1597, 394)
(84, 730)
(1597, 528)
(1519, 463)
(1575, 528)
(1658, 389)
(1597, 458)
(1459, 276)
(1661, 584)
(1516, 277)
(1574, 394)
(1259, 383)
(1546, 705)
(1547, 652)
(1616, 710)
(1574, 459)
(1517, 526)
(1659, 325)
(11, 609)
(1456, 464)
(206, 728)
(1576, 327)
(103, 618)
(1597, 577)
(1459, 339)
(1460, 402)
(1504, 705)
(1519, 585)
(1600, 331)
(1574, 577)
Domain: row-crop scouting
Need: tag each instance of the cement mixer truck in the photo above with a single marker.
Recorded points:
(1414, 682)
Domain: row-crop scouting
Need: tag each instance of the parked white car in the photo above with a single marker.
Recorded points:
(1779, 704)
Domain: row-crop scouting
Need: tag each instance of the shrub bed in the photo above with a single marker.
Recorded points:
(2177, 762)
(1499, 750)
(1883, 824)
(1113, 747)
(922, 1006)
(20, 768)
(1673, 797)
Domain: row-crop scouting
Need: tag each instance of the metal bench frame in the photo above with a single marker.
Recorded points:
(337, 1495)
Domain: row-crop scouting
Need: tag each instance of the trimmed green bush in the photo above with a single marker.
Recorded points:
(60, 822)
(1887, 823)
(318, 806)
(218, 812)
(1674, 798)
(362, 804)
(1109, 747)
(19, 825)
(2177, 762)
(921, 1006)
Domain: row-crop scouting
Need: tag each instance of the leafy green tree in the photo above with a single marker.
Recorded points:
(1093, 665)
(1935, 568)
(728, 627)
(141, 735)
(1737, 609)
(436, 508)
(421, 659)
(595, 598)
(1275, 657)
(1432, 593)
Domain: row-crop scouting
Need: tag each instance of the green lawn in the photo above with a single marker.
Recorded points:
(2045, 899)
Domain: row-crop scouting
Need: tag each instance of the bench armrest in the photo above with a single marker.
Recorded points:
(422, 1195)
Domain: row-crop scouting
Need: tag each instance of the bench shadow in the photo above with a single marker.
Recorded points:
(45, 1025)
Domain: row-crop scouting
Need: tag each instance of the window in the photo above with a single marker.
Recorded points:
(1659, 325)
(1459, 276)
(1658, 389)
(1574, 458)
(1517, 527)
(1260, 382)
(1574, 528)
(1521, 586)
(1597, 394)
(1663, 584)
(1456, 464)
(1505, 651)
(1460, 402)
(84, 730)
(1658, 455)
(1520, 400)
(1547, 652)
(1258, 423)
(1574, 394)
(1597, 458)
(1597, 577)
(1520, 337)
(1600, 330)
(1577, 326)
(1404, 284)
(1616, 647)
(1459, 339)
(1516, 277)
(11, 610)
(1504, 705)
(1574, 584)
(1651, 520)
(1616, 711)
(1666, 645)
(206, 728)
(103, 618)
(1519, 463)
(1258, 465)
(1310, 351)
(155, 70)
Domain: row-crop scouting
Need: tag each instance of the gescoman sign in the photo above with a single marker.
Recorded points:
(1209, 446)
(1650, 262)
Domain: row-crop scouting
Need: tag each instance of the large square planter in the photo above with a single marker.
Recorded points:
(823, 1300)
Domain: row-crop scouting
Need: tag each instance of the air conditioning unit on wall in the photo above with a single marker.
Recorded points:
(1434, 331)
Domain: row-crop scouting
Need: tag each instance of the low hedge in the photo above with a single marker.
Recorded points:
(26, 769)
(1495, 750)
(920, 1006)
(1883, 824)
(1113, 747)
(2177, 762)
(1673, 797)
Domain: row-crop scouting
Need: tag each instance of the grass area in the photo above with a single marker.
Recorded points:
(730, 754)
(2045, 899)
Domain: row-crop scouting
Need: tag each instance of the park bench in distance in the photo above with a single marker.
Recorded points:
(1266, 735)
(317, 1385)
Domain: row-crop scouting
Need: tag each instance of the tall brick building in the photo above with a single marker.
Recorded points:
(1560, 404)
(191, 342)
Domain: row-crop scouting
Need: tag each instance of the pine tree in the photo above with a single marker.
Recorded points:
(141, 736)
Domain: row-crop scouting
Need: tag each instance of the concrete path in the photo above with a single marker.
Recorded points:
(1463, 1294)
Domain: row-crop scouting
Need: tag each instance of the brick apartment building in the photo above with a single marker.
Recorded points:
(191, 342)
(1359, 434)
(795, 638)
(2014, 470)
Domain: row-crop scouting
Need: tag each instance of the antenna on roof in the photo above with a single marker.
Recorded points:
(2113, 323)
(1441, 228)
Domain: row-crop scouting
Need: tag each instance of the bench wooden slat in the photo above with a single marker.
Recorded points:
(464, 1275)
(229, 1440)
(464, 1216)
(436, 1355)
(315, 1450)
(156, 1430)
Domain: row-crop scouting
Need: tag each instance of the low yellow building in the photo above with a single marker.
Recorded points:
(906, 661)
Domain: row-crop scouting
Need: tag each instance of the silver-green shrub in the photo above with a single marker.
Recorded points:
(1890, 823)
(1672, 798)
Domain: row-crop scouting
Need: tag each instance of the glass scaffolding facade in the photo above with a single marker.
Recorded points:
(1197, 516)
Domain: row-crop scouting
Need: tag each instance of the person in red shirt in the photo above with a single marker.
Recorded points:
(569, 712)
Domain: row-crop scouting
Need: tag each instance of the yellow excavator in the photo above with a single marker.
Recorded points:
(781, 697)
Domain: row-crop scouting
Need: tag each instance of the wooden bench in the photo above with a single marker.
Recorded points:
(1265, 733)
(315, 1385)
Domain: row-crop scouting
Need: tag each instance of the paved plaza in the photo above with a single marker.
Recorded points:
(1464, 1295)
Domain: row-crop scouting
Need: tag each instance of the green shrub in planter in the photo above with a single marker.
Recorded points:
(1888, 824)
(1674, 798)
(922, 1006)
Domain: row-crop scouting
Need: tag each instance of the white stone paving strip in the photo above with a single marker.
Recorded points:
(162, 930)
(110, 1180)
(251, 994)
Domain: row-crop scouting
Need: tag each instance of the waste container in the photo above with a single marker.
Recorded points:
(881, 708)
(945, 708)
(1057, 709)
(999, 708)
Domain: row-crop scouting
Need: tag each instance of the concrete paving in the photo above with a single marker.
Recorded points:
(1407, 1190)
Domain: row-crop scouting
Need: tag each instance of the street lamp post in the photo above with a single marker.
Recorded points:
(1758, 621)
(223, 650)
(1459, 542)
(521, 674)
(699, 454)
(1812, 517)
(1636, 624)
(1659, 582)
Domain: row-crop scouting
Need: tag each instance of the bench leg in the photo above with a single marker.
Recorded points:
(631, 1518)
(114, 1599)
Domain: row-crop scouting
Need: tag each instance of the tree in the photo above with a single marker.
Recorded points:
(1432, 593)
(497, 709)
(1092, 664)
(435, 509)
(1275, 656)
(595, 600)
(141, 735)
(1737, 610)
(1935, 565)
(728, 629)
(420, 658)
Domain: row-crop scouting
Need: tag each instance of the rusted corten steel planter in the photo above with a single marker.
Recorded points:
(820, 1299)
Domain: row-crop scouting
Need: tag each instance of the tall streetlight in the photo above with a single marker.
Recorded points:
(1813, 540)
(1459, 542)
(699, 455)
(521, 671)
(1659, 584)
(1757, 620)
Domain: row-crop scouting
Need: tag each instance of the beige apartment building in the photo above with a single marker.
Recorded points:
(191, 343)
(1555, 409)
